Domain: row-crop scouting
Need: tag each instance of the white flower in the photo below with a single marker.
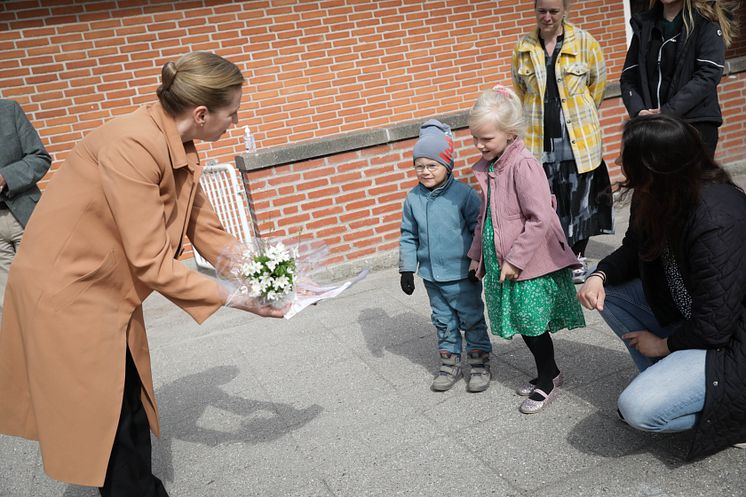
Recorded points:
(246, 270)
(265, 281)
(272, 295)
(272, 264)
(278, 253)
(282, 282)
(255, 267)
(256, 289)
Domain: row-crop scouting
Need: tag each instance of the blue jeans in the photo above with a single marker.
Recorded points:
(669, 393)
(457, 305)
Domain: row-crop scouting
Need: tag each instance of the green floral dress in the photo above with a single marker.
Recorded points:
(529, 307)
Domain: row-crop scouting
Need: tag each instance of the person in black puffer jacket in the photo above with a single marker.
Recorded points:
(680, 277)
(676, 60)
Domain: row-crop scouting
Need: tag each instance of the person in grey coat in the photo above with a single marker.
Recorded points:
(23, 162)
(437, 228)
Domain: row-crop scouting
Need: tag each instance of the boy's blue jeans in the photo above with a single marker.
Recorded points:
(457, 305)
(669, 393)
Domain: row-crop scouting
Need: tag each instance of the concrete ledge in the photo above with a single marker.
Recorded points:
(323, 147)
(736, 168)
(735, 65)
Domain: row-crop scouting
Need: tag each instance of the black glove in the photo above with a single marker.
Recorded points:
(473, 276)
(407, 282)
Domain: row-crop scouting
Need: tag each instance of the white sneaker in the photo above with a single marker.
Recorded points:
(740, 446)
(580, 274)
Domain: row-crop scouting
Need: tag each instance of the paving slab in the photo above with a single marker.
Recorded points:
(336, 402)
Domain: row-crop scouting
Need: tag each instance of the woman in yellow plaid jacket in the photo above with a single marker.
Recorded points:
(559, 73)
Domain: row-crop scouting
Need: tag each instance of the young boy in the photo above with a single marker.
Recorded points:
(436, 232)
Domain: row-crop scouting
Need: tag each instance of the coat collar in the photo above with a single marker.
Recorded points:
(569, 46)
(182, 154)
(508, 157)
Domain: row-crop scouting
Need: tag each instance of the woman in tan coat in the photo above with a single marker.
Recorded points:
(107, 232)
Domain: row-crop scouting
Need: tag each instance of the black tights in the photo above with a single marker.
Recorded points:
(578, 247)
(542, 349)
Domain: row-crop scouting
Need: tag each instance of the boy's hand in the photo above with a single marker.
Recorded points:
(473, 266)
(407, 282)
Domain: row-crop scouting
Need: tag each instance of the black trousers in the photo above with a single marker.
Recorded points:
(129, 473)
(709, 134)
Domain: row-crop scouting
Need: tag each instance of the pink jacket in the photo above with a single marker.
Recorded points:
(528, 233)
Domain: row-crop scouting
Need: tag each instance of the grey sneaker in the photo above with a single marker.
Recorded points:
(580, 274)
(480, 375)
(448, 374)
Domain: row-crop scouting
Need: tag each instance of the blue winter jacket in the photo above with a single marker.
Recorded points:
(437, 229)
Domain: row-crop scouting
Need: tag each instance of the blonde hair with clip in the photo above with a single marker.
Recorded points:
(198, 78)
(501, 107)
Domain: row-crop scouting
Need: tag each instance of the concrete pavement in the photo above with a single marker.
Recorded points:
(336, 402)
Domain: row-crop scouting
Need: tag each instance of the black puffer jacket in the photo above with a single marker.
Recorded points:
(700, 58)
(712, 262)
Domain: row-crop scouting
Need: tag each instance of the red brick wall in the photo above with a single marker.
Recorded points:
(314, 69)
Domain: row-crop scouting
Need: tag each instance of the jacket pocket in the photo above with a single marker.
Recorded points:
(576, 78)
(527, 75)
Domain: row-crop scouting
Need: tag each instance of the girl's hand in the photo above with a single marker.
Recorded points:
(509, 272)
(647, 344)
(592, 294)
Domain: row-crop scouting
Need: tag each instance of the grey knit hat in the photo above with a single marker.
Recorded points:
(436, 143)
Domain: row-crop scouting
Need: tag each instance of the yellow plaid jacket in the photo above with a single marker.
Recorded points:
(581, 79)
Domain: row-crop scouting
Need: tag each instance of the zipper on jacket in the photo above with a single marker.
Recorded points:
(496, 224)
(660, 75)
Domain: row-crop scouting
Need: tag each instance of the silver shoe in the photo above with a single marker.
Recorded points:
(529, 406)
(527, 388)
(580, 274)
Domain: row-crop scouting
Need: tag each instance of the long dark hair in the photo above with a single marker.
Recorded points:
(666, 164)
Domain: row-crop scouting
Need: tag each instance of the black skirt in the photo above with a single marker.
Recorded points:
(584, 201)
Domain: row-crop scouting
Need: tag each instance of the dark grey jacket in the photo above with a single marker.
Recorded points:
(700, 59)
(23, 161)
(712, 262)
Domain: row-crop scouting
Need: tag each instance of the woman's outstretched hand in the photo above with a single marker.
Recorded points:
(239, 301)
(592, 294)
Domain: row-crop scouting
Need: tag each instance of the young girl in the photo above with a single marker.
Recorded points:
(519, 248)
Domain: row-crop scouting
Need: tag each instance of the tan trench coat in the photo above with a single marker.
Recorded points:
(105, 234)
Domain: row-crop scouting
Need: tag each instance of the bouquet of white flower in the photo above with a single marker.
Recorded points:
(276, 273)
(266, 272)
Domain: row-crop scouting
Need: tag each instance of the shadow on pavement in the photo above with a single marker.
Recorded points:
(183, 402)
(409, 335)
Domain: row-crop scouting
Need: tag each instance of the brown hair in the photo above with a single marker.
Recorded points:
(666, 164)
(198, 78)
(720, 11)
